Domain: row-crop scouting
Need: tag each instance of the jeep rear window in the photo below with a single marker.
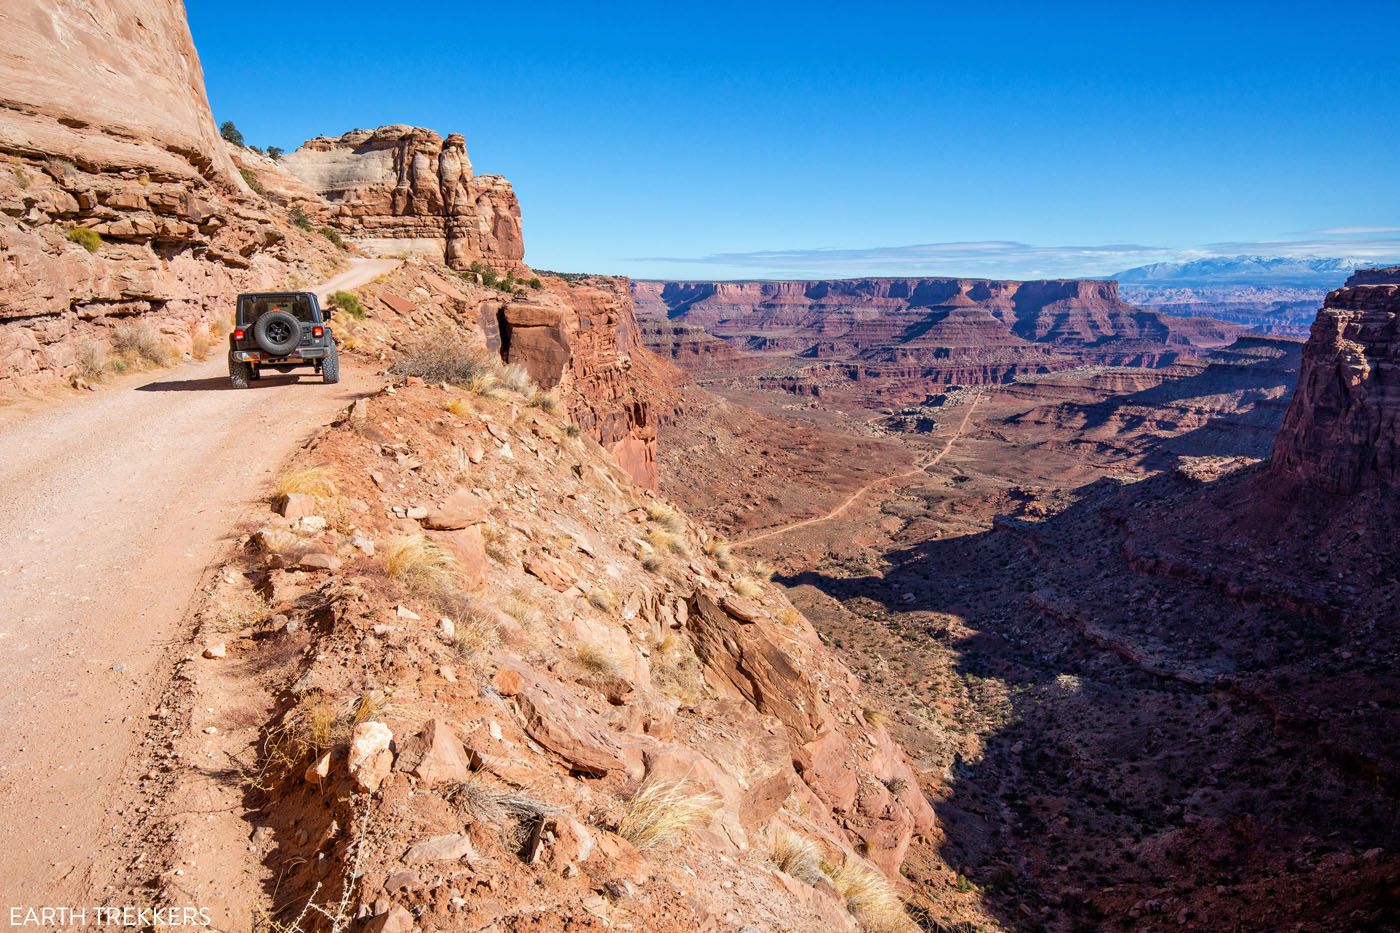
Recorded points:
(254, 308)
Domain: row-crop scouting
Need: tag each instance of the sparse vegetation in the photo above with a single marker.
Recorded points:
(662, 540)
(515, 378)
(599, 661)
(571, 430)
(350, 303)
(790, 617)
(663, 814)
(85, 237)
(318, 481)
(23, 177)
(482, 800)
(651, 561)
(747, 588)
(441, 357)
(603, 600)
(230, 132)
(233, 609)
(535, 283)
(870, 897)
(299, 218)
(140, 344)
(763, 570)
(664, 516)
(420, 565)
(473, 637)
(722, 552)
(333, 235)
(92, 360)
(310, 728)
(251, 178)
(459, 406)
(545, 401)
(875, 718)
(675, 670)
(797, 856)
(275, 152)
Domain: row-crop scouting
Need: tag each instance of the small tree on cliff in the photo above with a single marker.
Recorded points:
(275, 151)
(230, 132)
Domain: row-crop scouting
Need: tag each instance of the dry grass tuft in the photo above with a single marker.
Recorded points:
(665, 517)
(662, 540)
(747, 588)
(651, 561)
(515, 378)
(318, 481)
(459, 406)
(676, 671)
(599, 660)
(233, 609)
(875, 718)
(570, 430)
(442, 357)
(790, 617)
(546, 402)
(663, 814)
(486, 801)
(420, 565)
(870, 897)
(603, 600)
(763, 570)
(722, 552)
(797, 855)
(474, 637)
(92, 359)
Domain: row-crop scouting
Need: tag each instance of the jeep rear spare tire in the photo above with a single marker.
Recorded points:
(277, 333)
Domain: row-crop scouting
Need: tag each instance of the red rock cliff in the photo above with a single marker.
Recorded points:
(1342, 431)
(404, 189)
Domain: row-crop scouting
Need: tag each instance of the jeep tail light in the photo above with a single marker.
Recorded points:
(238, 333)
(318, 332)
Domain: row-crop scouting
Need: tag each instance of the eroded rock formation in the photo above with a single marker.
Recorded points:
(404, 189)
(1342, 431)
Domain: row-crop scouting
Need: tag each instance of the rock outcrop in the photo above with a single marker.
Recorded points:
(121, 208)
(404, 189)
(1342, 431)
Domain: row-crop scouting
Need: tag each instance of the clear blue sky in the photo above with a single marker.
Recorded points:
(780, 139)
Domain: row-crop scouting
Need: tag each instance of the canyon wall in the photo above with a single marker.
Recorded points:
(1342, 431)
(404, 189)
(121, 207)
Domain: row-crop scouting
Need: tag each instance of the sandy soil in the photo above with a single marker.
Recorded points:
(111, 507)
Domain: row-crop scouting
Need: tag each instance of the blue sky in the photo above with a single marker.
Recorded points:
(747, 140)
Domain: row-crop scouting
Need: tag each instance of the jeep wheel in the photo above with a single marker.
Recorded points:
(277, 333)
(330, 367)
(239, 374)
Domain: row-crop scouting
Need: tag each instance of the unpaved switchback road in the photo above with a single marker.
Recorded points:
(111, 507)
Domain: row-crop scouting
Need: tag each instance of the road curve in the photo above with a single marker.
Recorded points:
(111, 507)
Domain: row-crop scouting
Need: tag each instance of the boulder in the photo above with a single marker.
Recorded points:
(393, 920)
(296, 505)
(468, 548)
(434, 755)
(556, 716)
(461, 509)
(371, 757)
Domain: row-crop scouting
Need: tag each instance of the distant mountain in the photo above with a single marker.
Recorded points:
(1235, 271)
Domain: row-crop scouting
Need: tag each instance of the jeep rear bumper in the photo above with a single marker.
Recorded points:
(301, 355)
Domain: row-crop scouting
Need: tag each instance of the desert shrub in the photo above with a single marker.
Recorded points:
(275, 152)
(23, 177)
(232, 609)
(318, 481)
(85, 237)
(676, 671)
(661, 514)
(662, 540)
(571, 430)
(350, 303)
(484, 801)
(870, 897)
(790, 617)
(763, 570)
(441, 358)
(91, 359)
(230, 132)
(299, 218)
(459, 406)
(797, 855)
(251, 178)
(875, 718)
(535, 283)
(603, 601)
(650, 559)
(663, 814)
(333, 235)
(140, 343)
(474, 636)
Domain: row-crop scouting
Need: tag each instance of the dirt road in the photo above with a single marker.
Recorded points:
(856, 496)
(111, 506)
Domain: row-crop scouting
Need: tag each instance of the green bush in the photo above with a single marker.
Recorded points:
(350, 303)
(252, 179)
(535, 283)
(230, 132)
(85, 237)
(485, 273)
(299, 218)
(333, 235)
(275, 151)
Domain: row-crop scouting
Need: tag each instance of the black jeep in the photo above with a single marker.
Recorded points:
(281, 331)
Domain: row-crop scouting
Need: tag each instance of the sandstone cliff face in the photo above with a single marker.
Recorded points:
(1342, 431)
(404, 189)
(175, 232)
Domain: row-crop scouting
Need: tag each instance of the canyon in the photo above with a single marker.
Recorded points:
(880, 604)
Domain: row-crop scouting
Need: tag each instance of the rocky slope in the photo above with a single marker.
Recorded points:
(1342, 432)
(892, 340)
(404, 189)
(124, 226)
